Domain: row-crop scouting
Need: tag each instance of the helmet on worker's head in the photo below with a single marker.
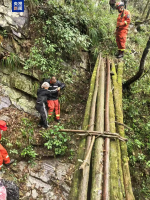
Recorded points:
(3, 126)
(119, 4)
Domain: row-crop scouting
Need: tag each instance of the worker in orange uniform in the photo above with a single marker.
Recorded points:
(4, 157)
(123, 22)
(52, 99)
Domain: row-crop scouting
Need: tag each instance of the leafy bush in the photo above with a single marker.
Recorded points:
(57, 40)
(29, 152)
(56, 140)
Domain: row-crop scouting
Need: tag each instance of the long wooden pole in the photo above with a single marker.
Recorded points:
(119, 117)
(116, 176)
(107, 140)
(80, 154)
(97, 166)
(90, 140)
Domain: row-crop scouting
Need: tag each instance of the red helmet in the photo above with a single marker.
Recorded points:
(119, 4)
(3, 125)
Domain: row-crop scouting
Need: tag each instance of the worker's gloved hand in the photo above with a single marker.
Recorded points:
(121, 24)
(58, 88)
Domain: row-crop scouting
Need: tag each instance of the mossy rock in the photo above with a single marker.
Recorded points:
(24, 83)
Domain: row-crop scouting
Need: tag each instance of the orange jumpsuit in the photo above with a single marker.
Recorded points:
(123, 22)
(54, 104)
(4, 157)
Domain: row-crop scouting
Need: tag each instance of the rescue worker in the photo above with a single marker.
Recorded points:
(123, 22)
(4, 157)
(112, 5)
(42, 95)
(52, 100)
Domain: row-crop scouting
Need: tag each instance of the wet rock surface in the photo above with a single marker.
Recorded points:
(49, 179)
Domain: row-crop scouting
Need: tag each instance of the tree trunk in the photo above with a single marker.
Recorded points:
(141, 67)
(148, 12)
(120, 130)
(97, 167)
(80, 155)
(145, 7)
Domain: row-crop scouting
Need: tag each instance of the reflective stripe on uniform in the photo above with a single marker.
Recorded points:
(50, 113)
(7, 156)
(1, 165)
(121, 49)
(57, 115)
(125, 22)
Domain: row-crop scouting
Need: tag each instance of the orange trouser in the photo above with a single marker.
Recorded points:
(3, 156)
(121, 37)
(54, 104)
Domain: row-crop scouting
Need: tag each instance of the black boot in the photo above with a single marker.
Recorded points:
(117, 54)
(11, 161)
(121, 54)
(57, 120)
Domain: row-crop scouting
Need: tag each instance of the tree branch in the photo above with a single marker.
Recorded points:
(141, 67)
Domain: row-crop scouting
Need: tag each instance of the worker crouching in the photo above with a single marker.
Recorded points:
(4, 157)
(123, 22)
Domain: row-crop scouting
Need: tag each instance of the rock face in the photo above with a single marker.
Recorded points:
(10, 96)
(15, 21)
(15, 78)
(49, 179)
(4, 102)
(19, 86)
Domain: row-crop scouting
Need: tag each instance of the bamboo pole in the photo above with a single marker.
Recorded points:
(116, 176)
(119, 118)
(97, 167)
(90, 141)
(107, 140)
(80, 154)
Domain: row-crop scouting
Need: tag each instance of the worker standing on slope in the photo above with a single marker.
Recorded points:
(42, 95)
(123, 22)
(52, 100)
(4, 157)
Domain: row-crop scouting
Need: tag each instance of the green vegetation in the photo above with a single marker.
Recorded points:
(65, 31)
(56, 140)
(59, 34)
(29, 151)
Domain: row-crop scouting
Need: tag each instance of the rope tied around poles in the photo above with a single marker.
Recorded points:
(95, 133)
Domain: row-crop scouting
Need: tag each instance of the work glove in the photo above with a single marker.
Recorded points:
(121, 24)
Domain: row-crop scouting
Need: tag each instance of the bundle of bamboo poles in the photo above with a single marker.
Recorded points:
(104, 171)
